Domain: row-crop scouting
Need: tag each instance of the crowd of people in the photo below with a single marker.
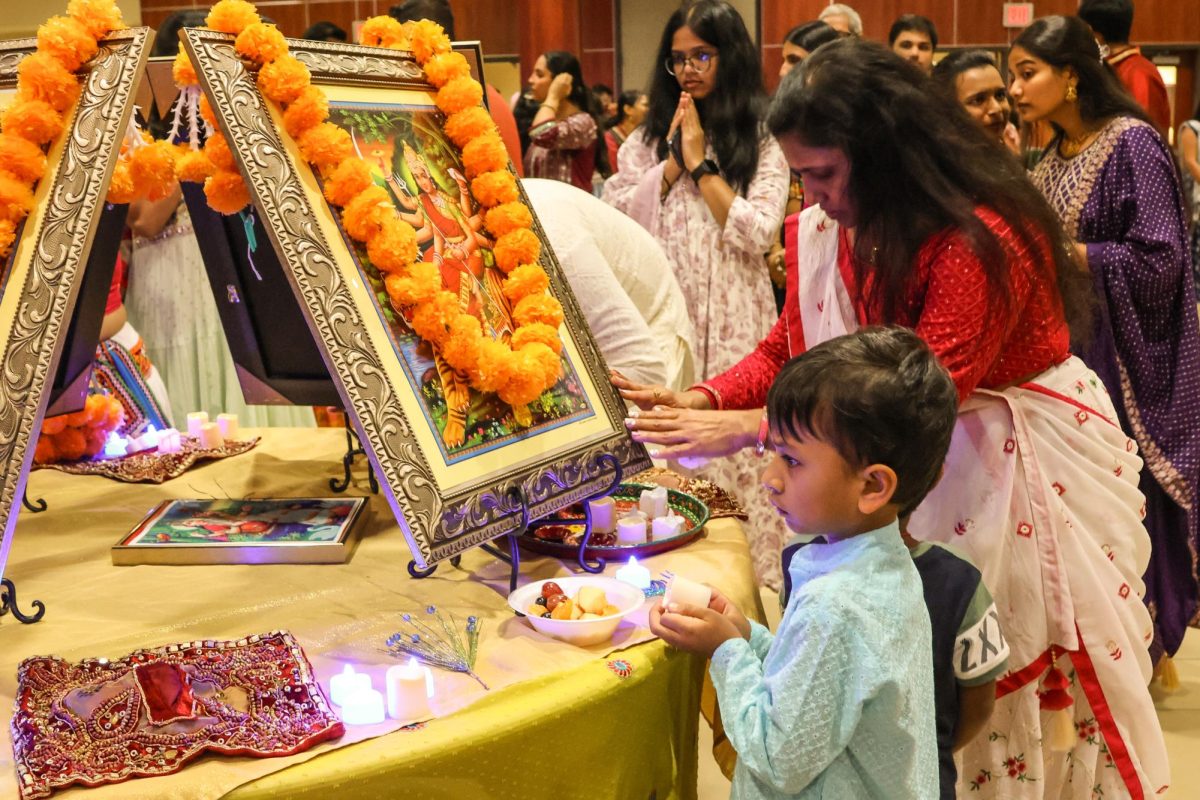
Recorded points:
(956, 301)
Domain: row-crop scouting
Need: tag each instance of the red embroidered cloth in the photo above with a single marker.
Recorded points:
(150, 713)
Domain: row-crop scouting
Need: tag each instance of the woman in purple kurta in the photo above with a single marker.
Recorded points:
(1112, 179)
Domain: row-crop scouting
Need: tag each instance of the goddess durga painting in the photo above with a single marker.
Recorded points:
(422, 173)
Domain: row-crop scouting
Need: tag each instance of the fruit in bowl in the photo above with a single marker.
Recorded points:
(582, 610)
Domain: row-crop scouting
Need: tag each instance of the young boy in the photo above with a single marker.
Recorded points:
(839, 703)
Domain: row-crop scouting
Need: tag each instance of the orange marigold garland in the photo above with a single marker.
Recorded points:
(519, 372)
(81, 434)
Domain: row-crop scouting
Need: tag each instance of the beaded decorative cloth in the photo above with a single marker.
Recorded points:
(152, 466)
(153, 711)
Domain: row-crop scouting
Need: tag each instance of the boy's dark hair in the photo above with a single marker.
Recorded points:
(1112, 19)
(913, 22)
(325, 32)
(811, 35)
(435, 10)
(878, 396)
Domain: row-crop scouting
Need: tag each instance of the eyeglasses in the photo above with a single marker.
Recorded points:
(699, 62)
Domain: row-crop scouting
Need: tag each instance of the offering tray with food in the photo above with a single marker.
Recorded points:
(635, 520)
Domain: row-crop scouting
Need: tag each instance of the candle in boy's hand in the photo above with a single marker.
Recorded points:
(686, 592)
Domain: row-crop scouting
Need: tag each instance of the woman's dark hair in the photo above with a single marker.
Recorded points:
(524, 110)
(560, 61)
(325, 32)
(811, 35)
(920, 166)
(946, 72)
(1067, 42)
(629, 97)
(732, 112)
(166, 38)
(913, 22)
(877, 396)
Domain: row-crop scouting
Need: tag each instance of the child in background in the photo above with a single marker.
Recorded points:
(839, 703)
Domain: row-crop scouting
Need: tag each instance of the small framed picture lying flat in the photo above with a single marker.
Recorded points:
(308, 530)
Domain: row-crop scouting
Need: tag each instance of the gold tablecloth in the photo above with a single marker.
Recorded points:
(559, 721)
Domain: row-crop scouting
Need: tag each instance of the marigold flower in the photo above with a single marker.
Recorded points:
(468, 124)
(517, 247)
(207, 114)
(121, 188)
(445, 67)
(463, 346)
(41, 76)
(494, 188)
(526, 378)
(226, 192)
(308, 110)
(507, 217)
(493, 367)
(432, 319)
(45, 452)
(363, 216)
(16, 197)
(418, 284)
(536, 332)
(98, 17)
(347, 180)
(525, 281)
(217, 149)
(283, 79)
(34, 120)
(485, 153)
(261, 42)
(71, 444)
(548, 361)
(67, 40)
(153, 168)
(24, 159)
(459, 95)
(394, 246)
(538, 308)
(8, 235)
(231, 16)
(427, 39)
(193, 166)
(325, 145)
(382, 31)
(53, 426)
(182, 71)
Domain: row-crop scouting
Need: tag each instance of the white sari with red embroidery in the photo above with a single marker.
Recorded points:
(1040, 489)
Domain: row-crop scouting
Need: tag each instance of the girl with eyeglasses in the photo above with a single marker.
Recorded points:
(705, 177)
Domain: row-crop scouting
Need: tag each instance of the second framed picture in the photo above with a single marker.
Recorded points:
(458, 465)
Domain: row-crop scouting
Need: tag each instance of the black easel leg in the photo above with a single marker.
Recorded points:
(8, 602)
(36, 507)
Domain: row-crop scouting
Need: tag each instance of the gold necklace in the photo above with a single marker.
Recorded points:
(1069, 147)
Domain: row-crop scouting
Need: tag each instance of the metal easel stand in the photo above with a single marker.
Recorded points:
(353, 448)
(8, 602)
(513, 556)
(36, 507)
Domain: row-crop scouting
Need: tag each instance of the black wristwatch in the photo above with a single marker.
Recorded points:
(706, 167)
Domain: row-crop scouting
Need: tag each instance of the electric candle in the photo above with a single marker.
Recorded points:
(195, 420)
(632, 529)
(653, 502)
(634, 574)
(363, 707)
(604, 515)
(228, 423)
(210, 436)
(409, 687)
(666, 527)
(686, 592)
(347, 684)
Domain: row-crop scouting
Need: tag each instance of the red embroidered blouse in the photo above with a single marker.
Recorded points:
(982, 345)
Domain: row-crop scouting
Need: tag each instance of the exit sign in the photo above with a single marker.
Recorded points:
(1018, 15)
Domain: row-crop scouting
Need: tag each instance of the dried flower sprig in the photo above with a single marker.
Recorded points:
(447, 648)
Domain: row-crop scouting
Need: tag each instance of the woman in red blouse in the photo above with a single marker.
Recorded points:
(921, 221)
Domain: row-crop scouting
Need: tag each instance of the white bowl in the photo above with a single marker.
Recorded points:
(582, 632)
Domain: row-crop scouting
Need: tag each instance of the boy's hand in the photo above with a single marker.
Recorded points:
(690, 628)
(725, 607)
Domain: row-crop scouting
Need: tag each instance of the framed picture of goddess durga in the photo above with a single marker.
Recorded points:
(43, 257)
(458, 464)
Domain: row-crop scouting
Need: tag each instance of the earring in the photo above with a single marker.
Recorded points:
(1072, 94)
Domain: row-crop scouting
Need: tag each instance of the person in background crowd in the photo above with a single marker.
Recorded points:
(1113, 182)
(631, 111)
(325, 32)
(914, 37)
(1040, 485)
(440, 12)
(1189, 158)
(972, 78)
(801, 40)
(564, 136)
(1111, 22)
(842, 18)
(606, 101)
(705, 178)
(627, 291)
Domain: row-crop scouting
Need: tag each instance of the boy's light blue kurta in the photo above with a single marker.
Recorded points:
(839, 703)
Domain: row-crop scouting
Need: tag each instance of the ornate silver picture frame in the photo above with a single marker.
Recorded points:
(44, 271)
(447, 495)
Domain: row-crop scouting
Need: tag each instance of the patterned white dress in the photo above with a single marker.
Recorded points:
(723, 275)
